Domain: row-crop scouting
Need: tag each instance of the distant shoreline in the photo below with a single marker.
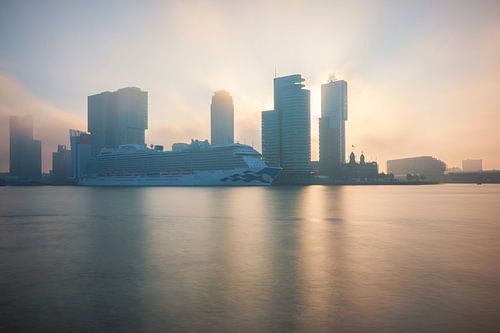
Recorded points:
(336, 183)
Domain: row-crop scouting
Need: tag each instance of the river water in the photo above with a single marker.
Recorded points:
(278, 259)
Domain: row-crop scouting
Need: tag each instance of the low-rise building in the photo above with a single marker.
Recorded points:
(427, 166)
(359, 171)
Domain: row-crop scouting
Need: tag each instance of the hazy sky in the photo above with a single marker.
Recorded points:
(424, 76)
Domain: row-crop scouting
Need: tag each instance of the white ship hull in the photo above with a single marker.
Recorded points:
(232, 177)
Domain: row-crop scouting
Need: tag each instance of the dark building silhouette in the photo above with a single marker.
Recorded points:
(428, 167)
(61, 165)
(359, 171)
(270, 138)
(80, 152)
(25, 153)
(117, 118)
(286, 130)
(222, 118)
(179, 146)
(315, 167)
(487, 176)
(332, 127)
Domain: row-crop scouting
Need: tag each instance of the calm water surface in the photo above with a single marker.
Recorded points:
(309, 259)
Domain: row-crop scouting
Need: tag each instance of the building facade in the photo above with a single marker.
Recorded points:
(332, 127)
(362, 171)
(286, 130)
(80, 152)
(25, 161)
(61, 165)
(117, 118)
(179, 146)
(270, 138)
(429, 167)
(222, 118)
(477, 177)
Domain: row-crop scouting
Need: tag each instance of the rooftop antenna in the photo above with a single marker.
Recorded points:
(275, 72)
(331, 78)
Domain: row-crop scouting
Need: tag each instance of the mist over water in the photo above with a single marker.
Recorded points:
(317, 258)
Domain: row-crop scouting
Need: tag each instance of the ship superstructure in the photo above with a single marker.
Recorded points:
(198, 164)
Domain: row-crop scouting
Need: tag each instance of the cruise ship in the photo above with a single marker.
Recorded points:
(197, 164)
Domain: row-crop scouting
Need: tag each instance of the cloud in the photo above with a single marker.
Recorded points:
(438, 97)
(423, 78)
(51, 124)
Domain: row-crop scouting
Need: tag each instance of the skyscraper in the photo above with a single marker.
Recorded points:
(332, 127)
(270, 138)
(61, 165)
(222, 118)
(80, 151)
(286, 131)
(117, 118)
(25, 153)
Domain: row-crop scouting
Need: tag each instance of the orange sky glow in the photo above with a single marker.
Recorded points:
(423, 77)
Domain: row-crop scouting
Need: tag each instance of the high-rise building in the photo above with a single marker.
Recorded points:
(286, 131)
(25, 153)
(270, 138)
(80, 152)
(222, 118)
(61, 165)
(332, 127)
(117, 118)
